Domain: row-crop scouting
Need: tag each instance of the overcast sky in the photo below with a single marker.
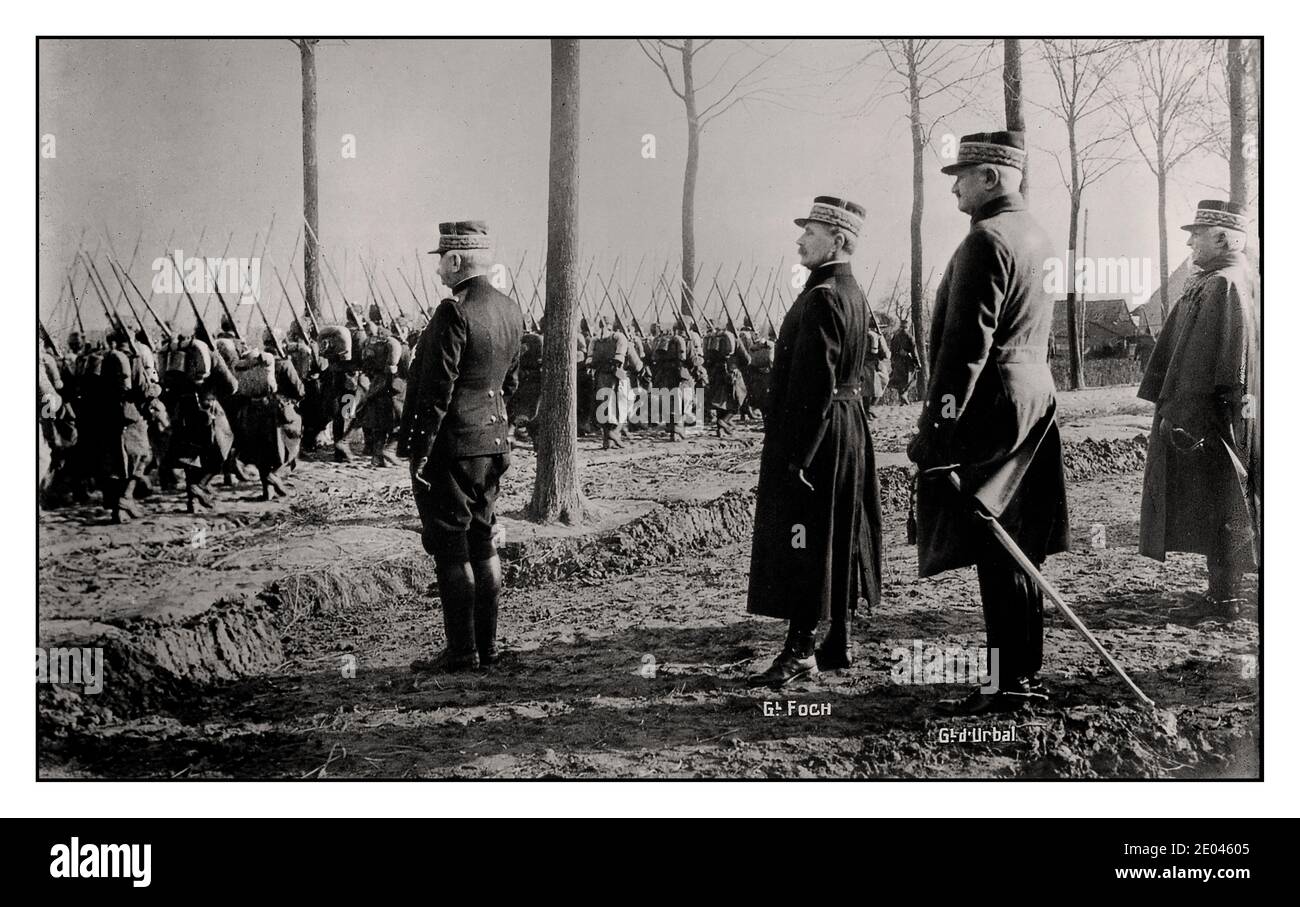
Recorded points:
(176, 136)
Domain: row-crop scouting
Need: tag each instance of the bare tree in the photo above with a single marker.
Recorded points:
(310, 203)
(1160, 114)
(1082, 72)
(1229, 120)
(556, 491)
(919, 71)
(1013, 97)
(686, 83)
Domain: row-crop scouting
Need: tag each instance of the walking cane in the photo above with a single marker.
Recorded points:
(1048, 589)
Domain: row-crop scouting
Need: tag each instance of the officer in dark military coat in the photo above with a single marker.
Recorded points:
(1203, 473)
(816, 548)
(456, 432)
(991, 410)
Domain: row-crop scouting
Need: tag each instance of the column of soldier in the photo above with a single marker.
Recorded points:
(147, 409)
(151, 408)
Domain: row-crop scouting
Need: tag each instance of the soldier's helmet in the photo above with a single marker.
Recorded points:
(268, 339)
(74, 341)
(227, 325)
(375, 314)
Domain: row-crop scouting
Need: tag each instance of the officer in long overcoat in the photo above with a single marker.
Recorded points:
(990, 409)
(1203, 473)
(816, 548)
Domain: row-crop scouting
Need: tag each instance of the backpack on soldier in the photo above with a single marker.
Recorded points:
(196, 360)
(255, 373)
(335, 342)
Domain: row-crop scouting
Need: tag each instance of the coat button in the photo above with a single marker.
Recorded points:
(496, 440)
(491, 393)
(492, 419)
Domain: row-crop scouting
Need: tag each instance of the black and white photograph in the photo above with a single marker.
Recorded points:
(637, 408)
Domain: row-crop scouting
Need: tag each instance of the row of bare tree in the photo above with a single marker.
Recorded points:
(1165, 99)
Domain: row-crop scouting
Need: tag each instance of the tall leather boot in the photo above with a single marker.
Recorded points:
(835, 653)
(456, 589)
(487, 593)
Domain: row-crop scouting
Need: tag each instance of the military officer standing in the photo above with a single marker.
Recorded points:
(990, 410)
(456, 432)
(816, 548)
(1203, 476)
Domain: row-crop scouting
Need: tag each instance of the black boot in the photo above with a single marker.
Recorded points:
(797, 661)
(487, 593)
(835, 652)
(456, 589)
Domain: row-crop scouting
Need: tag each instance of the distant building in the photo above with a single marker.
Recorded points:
(1150, 317)
(1107, 323)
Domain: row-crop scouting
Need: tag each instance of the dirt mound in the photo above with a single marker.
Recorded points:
(1090, 458)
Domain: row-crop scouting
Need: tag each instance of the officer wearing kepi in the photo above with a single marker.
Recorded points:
(1204, 471)
(816, 548)
(456, 432)
(990, 411)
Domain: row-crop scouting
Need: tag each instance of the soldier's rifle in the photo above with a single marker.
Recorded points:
(48, 340)
(116, 268)
(419, 269)
(377, 296)
(115, 321)
(363, 323)
(418, 305)
(293, 312)
(199, 327)
(76, 303)
(176, 313)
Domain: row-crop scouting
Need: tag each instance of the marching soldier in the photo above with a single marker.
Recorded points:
(758, 375)
(878, 363)
(1202, 484)
(726, 358)
(903, 361)
(816, 547)
(990, 412)
(196, 381)
(381, 412)
(523, 405)
(456, 433)
(586, 387)
(339, 385)
(269, 388)
(663, 374)
(305, 356)
(611, 358)
(127, 399)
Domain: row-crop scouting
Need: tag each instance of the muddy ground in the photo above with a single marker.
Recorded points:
(272, 640)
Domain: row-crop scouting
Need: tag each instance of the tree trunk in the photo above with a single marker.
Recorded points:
(1236, 125)
(556, 491)
(688, 182)
(310, 205)
(919, 327)
(1073, 335)
(1011, 97)
(1163, 227)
